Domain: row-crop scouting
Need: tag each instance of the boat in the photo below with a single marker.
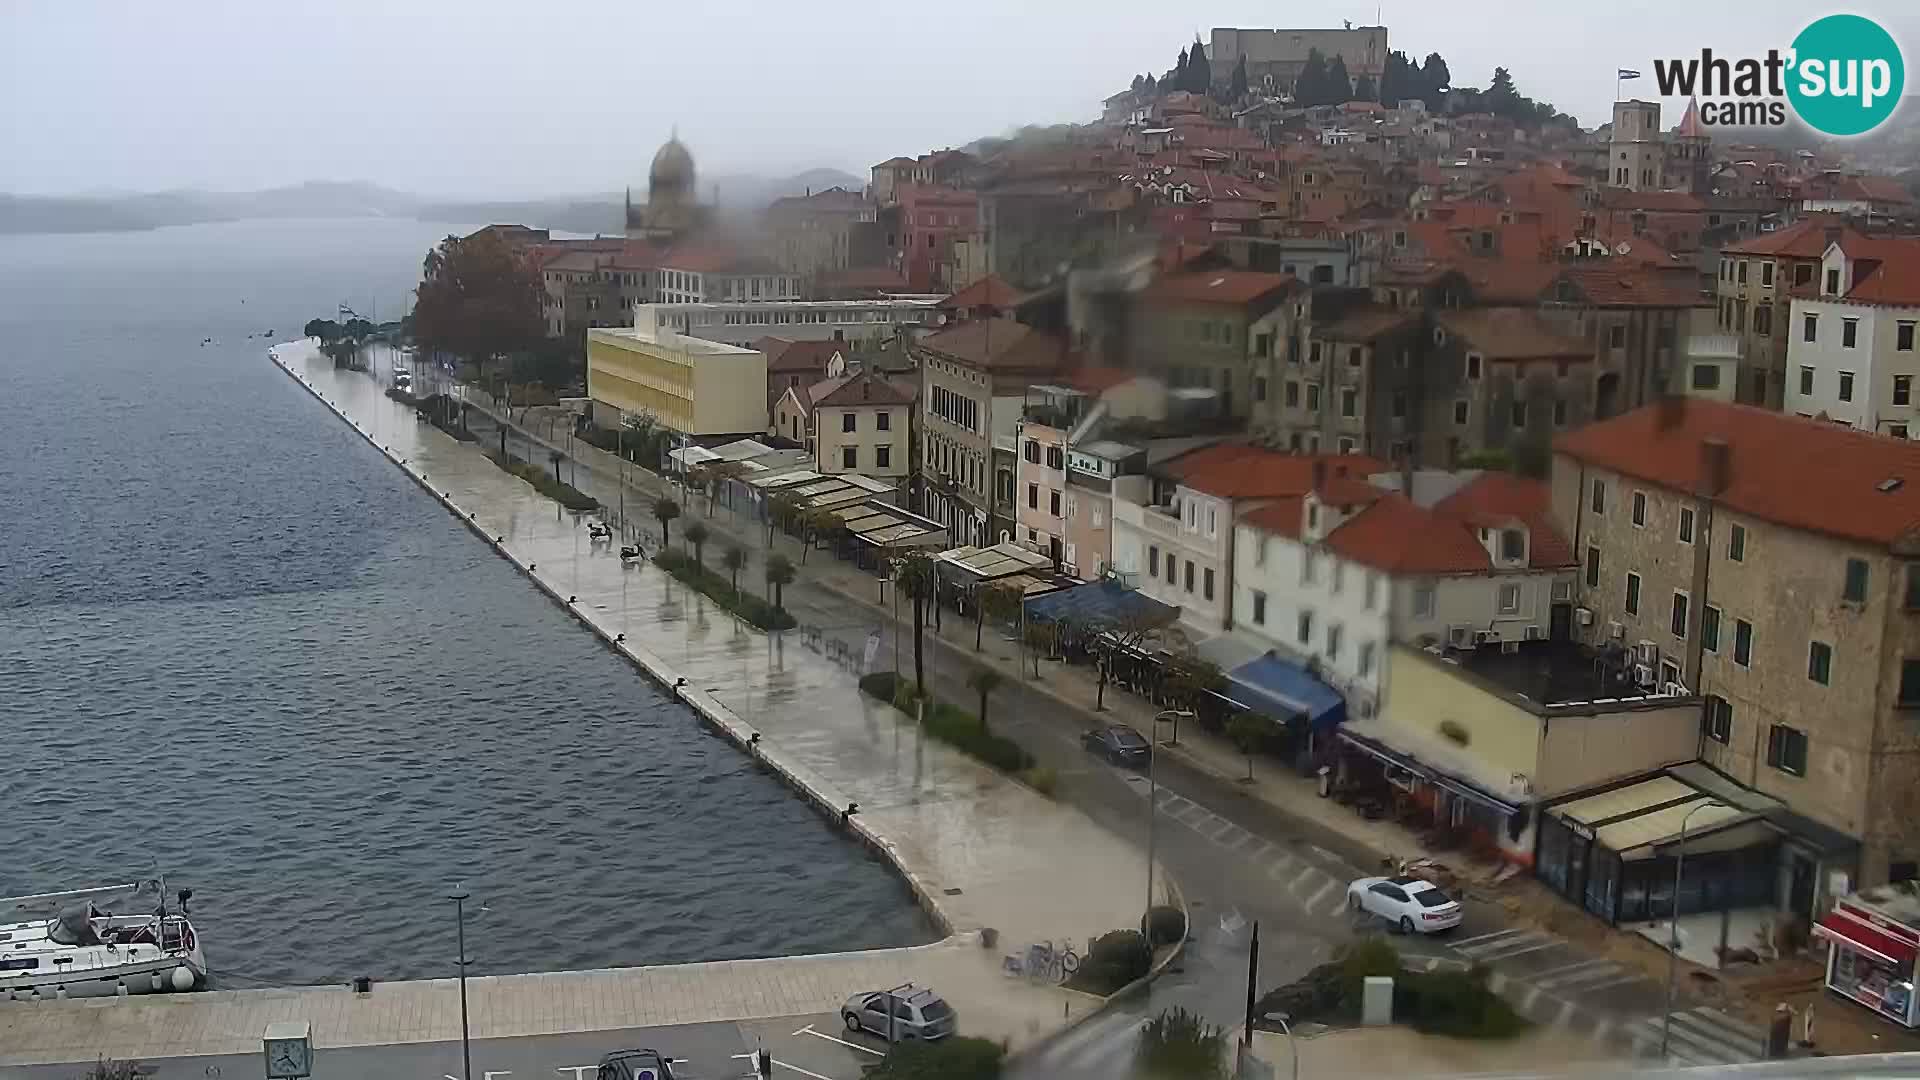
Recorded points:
(74, 947)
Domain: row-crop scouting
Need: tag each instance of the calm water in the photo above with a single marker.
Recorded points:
(239, 647)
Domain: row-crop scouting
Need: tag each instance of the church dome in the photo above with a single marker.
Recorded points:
(671, 177)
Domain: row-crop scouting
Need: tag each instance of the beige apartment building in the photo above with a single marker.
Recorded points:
(689, 385)
(1768, 564)
(1753, 298)
(862, 424)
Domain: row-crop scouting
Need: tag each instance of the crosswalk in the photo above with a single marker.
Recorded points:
(1700, 1036)
(1548, 972)
(1104, 1046)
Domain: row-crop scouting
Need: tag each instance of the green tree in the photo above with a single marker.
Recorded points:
(984, 682)
(1399, 79)
(1150, 86)
(110, 1069)
(1501, 98)
(480, 302)
(779, 574)
(1339, 87)
(326, 330)
(1128, 632)
(1250, 731)
(1188, 680)
(696, 537)
(1177, 78)
(914, 574)
(1364, 90)
(666, 510)
(1310, 87)
(1181, 1046)
(996, 602)
(1434, 79)
(1237, 86)
(735, 560)
(956, 1057)
(1138, 82)
(1199, 69)
(554, 458)
(1493, 459)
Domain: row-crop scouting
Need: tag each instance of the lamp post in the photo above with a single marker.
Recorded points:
(1673, 925)
(460, 896)
(1153, 796)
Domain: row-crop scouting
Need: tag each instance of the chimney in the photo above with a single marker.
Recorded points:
(1669, 411)
(1406, 474)
(1716, 467)
(1319, 474)
(1832, 234)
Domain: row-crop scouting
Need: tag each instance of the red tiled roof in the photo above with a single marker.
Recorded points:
(863, 389)
(1237, 471)
(1512, 334)
(1500, 496)
(1507, 281)
(1805, 239)
(989, 291)
(1001, 344)
(1399, 537)
(1236, 287)
(1804, 474)
(1366, 324)
(1667, 201)
(1629, 286)
(802, 355)
(1280, 517)
(1094, 380)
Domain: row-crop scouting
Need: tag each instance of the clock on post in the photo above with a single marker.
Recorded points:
(289, 1048)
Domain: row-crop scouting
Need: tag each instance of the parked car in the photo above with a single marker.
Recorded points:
(1119, 744)
(635, 1065)
(915, 1013)
(1413, 904)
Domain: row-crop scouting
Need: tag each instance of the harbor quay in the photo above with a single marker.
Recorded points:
(996, 865)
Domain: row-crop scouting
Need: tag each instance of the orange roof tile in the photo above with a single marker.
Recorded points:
(865, 388)
(1236, 287)
(1635, 286)
(1512, 334)
(1895, 282)
(1399, 537)
(1280, 517)
(1507, 281)
(1237, 471)
(989, 291)
(1497, 496)
(1803, 474)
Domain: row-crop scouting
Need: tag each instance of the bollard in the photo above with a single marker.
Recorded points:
(1779, 1031)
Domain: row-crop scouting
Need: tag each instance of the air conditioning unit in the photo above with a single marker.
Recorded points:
(1509, 647)
(1534, 633)
(1583, 616)
(1646, 652)
(1674, 689)
(1459, 636)
(1642, 675)
(1482, 637)
(1615, 630)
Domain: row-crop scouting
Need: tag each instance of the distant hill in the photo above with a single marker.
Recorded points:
(600, 212)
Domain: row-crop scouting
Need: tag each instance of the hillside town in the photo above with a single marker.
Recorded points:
(1542, 488)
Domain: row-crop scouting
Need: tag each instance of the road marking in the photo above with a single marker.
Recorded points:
(1181, 816)
(1280, 862)
(1602, 1027)
(1565, 1019)
(1463, 942)
(1526, 1003)
(801, 1071)
(1528, 941)
(1622, 979)
(1314, 903)
(1497, 981)
(1086, 1036)
(1266, 848)
(1306, 873)
(1226, 827)
(1242, 842)
(808, 1030)
(1506, 954)
(1574, 972)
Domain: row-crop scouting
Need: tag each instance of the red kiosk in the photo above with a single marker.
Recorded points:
(1873, 936)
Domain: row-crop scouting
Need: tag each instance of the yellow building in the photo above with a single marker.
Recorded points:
(687, 384)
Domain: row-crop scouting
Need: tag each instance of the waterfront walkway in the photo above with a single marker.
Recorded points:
(979, 850)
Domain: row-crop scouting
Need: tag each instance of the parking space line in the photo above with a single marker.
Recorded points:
(1621, 979)
(1314, 904)
(1307, 873)
(801, 1071)
(1225, 828)
(1526, 1003)
(1497, 981)
(1463, 942)
(1242, 841)
(1602, 1027)
(1490, 956)
(1280, 862)
(1266, 847)
(1573, 973)
(809, 1030)
(1181, 816)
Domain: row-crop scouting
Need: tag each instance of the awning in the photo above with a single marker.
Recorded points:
(1427, 771)
(1268, 684)
(1098, 602)
(1838, 926)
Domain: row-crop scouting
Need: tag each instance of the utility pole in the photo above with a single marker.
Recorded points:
(459, 898)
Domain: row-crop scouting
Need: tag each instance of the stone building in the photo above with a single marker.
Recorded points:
(673, 209)
(1753, 297)
(1275, 58)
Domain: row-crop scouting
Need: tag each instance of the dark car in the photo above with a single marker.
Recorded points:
(1119, 744)
(635, 1065)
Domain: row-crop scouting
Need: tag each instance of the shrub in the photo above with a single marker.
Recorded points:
(746, 605)
(1116, 959)
(1455, 1003)
(1181, 1045)
(1166, 925)
(565, 494)
(1042, 778)
(1370, 956)
(956, 1057)
(109, 1069)
(879, 685)
(958, 728)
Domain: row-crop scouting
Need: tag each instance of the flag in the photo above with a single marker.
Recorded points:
(1628, 73)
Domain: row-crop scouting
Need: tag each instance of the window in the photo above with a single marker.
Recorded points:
(1737, 543)
(1517, 414)
(1509, 599)
(1333, 641)
(1717, 719)
(1399, 405)
(1033, 496)
(1706, 377)
(1056, 458)
(1593, 567)
(1559, 412)
(1513, 545)
(1903, 337)
(1787, 749)
(1902, 389)
(1339, 575)
(1313, 397)
(1153, 561)
(1259, 608)
(1206, 581)
(1172, 566)
(1259, 388)
(1349, 403)
(1346, 445)
(1898, 431)
(1846, 386)
(1811, 328)
(1855, 589)
(1616, 337)
(1372, 591)
(1189, 575)
(1365, 668)
(1423, 601)
(883, 421)
(1031, 451)
(1639, 509)
(1686, 525)
(1806, 381)
(1763, 319)
(1599, 496)
(1710, 628)
(1833, 281)
(1053, 503)
(1912, 600)
(1743, 642)
(1473, 365)
(1305, 627)
(1909, 683)
(1677, 624)
(1290, 394)
(1803, 274)
(1633, 594)
(850, 457)
(882, 457)
(1741, 272)
(1766, 273)
(1460, 411)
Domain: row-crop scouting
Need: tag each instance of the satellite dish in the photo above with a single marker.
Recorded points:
(1623, 248)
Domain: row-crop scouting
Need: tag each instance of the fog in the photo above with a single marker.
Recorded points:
(480, 99)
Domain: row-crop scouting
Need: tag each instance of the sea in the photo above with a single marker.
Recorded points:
(240, 651)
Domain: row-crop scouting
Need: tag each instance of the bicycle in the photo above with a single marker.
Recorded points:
(1046, 962)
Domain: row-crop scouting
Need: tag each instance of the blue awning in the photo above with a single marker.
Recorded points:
(1099, 601)
(1283, 689)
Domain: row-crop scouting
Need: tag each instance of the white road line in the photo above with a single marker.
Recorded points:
(1266, 848)
(1621, 979)
(1240, 843)
(1526, 1003)
(801, 1071)
(1085, 1036)
(1307, 873)
(1602, 1027)
(1514, 946)
(1225, 828)
(1572, 973)
(1565, 1018)
(1181, 816)
(1487, 937)
(808, 1030)
(1280, 862)
(1586, 979)
(1314, 904)
(1491, 955)
(1497, 981)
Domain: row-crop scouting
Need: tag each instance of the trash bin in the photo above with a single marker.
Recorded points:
(989, 937)
(1326, 781)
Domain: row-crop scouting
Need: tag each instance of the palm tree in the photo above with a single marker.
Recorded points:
(916, 577)
(992, 601)
(984, 682)
(1249, 730)
(666, 510)
(779, 575)
(735, 560)
(696, 535)
(556, 457)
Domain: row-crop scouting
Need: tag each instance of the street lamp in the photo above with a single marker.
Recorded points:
(1293, 1046)
(1673, 925)
(460, 896)
(1153, 794)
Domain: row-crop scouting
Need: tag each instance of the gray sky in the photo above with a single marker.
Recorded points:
(480, 98)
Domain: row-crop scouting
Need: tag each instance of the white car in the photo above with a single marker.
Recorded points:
(1413, 904)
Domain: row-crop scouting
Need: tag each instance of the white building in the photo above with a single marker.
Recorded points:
(744, 322)
(1851, 354)
(1336, 575)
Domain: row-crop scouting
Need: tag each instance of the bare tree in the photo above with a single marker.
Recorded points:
(992, 602)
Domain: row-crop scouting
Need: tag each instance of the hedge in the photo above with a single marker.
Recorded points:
(565, 494)
(742, 603)
(950, 724)
(1456, 1003)
(1116, 959)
